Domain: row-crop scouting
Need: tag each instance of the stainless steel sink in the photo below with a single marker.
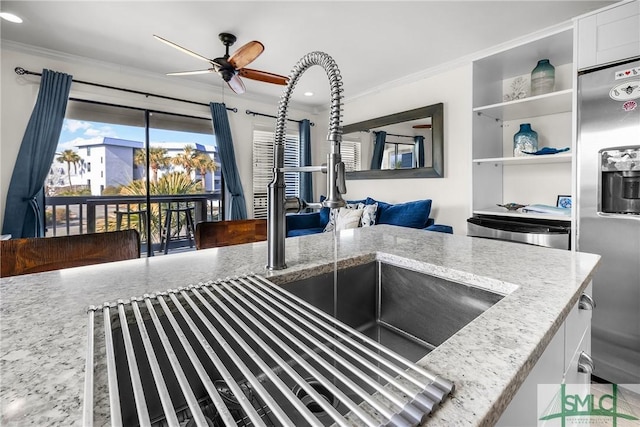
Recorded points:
(409, 312)
(245, 351)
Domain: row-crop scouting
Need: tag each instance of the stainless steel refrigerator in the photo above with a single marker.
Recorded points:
(608, 212)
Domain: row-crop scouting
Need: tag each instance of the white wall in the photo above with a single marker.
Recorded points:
(451, 194)
(19, 93)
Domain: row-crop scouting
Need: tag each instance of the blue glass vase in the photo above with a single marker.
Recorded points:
(543, 78)
(525, 141)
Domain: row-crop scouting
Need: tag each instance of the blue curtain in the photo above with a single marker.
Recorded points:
(25, 198)
(228, 160)
(306, 180)
(378, 150)
(419, 140)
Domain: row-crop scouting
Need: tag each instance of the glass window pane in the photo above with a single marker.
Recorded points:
(185, 177)
(93, 162)
(98, 179)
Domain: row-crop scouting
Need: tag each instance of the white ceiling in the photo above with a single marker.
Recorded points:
(373, 42)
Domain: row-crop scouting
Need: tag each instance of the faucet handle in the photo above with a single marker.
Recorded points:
(341, 178)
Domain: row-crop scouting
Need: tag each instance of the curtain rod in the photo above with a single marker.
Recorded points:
(400, 143)
(399, 136)
(21, 71)
(253, 113)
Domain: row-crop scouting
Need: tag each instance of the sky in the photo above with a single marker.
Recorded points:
(79, 131)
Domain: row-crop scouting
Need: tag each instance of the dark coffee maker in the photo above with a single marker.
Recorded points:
(620, 186)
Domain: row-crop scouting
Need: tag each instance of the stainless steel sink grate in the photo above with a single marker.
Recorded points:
(257, 355)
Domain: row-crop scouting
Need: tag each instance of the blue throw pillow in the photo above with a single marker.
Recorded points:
(410, 214)
(324, 214)
(381, 206)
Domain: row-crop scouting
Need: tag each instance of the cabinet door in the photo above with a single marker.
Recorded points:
(578, 370)
(522, 411)
(576, 323)
(610, 35)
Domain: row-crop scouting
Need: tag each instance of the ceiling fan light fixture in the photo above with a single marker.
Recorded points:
(226, 74)
(11, 17)
(308, 94)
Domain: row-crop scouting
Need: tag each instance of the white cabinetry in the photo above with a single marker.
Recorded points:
(609, 35)
(564, 361)
(499, 177)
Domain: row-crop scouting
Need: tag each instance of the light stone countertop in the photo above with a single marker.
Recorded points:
(44, 322)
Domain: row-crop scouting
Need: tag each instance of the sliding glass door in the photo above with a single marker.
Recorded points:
(119, 167)
(184, 177)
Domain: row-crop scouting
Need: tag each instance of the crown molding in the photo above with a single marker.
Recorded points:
(96, 63)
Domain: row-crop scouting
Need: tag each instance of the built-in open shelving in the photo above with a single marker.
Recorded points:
(565, 157)
(497, 176)
(535, 106)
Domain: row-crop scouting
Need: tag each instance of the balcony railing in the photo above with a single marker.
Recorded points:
(68, 215)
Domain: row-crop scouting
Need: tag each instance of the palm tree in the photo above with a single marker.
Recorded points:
(204, 163)
(158, 159)
(185, 159)
(70, 157)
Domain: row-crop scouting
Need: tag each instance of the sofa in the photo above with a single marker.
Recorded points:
(413, 214)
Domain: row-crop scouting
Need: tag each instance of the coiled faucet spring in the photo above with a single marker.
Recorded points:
(278, 204)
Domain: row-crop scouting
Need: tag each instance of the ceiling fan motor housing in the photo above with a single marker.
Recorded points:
(224, 68)
(226, 73)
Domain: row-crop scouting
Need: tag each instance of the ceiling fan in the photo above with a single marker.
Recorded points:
(231, 67)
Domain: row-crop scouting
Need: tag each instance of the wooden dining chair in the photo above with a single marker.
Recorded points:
(234, 232)
(35, 255)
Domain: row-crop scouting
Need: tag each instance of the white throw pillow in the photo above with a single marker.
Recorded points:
(348, 218)
(368, 214)
(331, 225)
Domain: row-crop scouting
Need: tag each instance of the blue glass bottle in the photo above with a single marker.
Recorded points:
(543, 78)
(525, 141)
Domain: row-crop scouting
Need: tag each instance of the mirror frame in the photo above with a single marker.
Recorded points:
(436, 112)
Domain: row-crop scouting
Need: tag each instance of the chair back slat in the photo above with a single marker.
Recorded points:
(225, 233)
(35, 255)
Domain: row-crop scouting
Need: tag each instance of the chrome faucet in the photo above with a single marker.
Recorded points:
(278, 203)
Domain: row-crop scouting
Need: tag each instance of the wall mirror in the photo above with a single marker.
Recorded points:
(409, 144)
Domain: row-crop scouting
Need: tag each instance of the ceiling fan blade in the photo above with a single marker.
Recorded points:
(263, 76)
(183, 49)
(246, 54)
(188, 73)
(236, 85)
(422, 126)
